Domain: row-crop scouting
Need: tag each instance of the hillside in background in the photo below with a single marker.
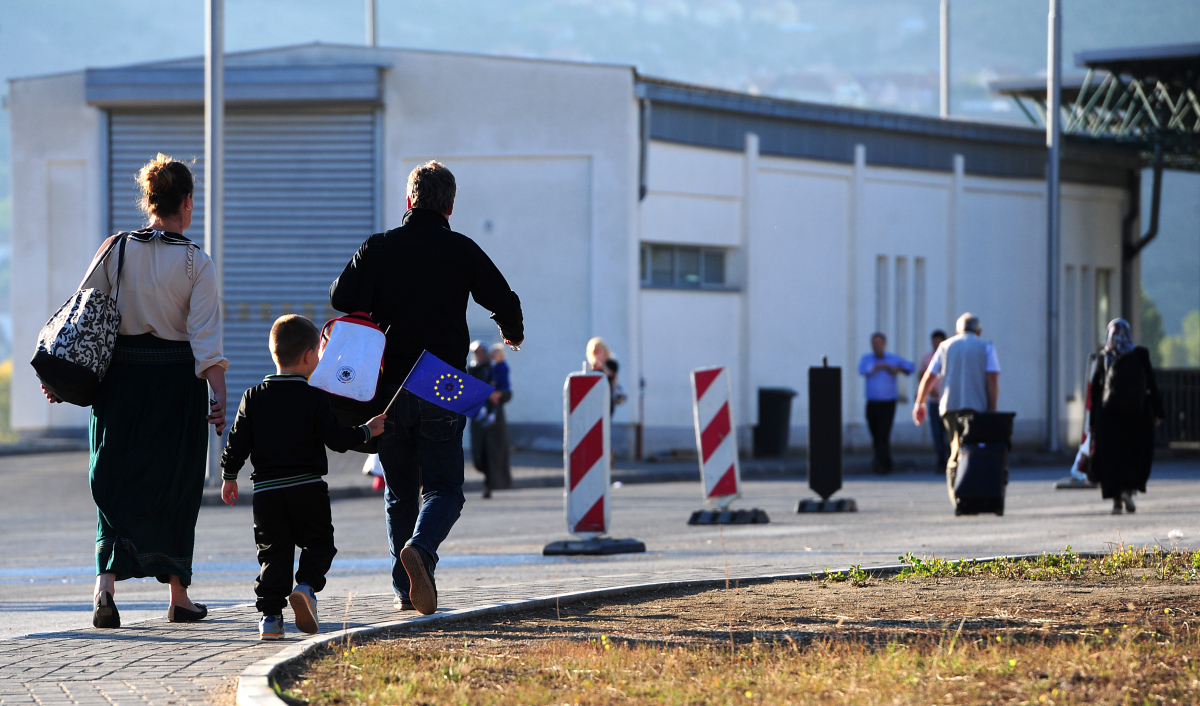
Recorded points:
(869, 53)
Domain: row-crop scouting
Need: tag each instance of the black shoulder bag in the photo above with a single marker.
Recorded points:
(76, 345)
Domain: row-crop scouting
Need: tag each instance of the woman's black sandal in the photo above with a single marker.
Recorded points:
(179, 614)
(105, 613)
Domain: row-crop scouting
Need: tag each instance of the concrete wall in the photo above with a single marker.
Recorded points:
(58, 152)
(830, 253)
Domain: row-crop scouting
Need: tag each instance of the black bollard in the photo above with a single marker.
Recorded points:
(825, 440)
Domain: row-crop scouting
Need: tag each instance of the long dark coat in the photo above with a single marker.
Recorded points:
(490, 445)
(1125, 404)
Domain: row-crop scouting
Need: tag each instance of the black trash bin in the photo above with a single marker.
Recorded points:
(774, 417)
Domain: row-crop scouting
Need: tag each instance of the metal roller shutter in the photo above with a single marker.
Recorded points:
(299, 200)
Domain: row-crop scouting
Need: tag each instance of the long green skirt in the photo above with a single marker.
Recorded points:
(149, 443)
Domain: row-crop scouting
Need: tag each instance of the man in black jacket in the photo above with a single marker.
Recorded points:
(414, 281)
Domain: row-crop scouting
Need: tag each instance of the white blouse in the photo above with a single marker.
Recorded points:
(168, 288)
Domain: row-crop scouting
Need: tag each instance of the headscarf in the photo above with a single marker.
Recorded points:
(1119, 341)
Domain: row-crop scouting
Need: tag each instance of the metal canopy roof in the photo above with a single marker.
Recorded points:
(1141, 97)
(1168, 62)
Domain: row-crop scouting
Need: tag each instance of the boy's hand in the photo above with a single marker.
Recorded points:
(376, 425)
(229, 492)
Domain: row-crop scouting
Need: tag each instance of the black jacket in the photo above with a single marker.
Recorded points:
(283, 426)
(423, 273)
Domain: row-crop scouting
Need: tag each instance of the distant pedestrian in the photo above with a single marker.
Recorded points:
(600, 360)
(1125, 407)
(969, 372)
(937, 430)
(283, 426)
(149, 437)
(489, 428)
(500, 366)
(881, 367)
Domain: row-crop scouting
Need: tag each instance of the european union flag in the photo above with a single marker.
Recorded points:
(433, 380)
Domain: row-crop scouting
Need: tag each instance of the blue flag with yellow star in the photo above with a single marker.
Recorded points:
(433, 380)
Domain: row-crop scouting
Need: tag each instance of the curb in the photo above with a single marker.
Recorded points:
(254, 683)
(55, 446)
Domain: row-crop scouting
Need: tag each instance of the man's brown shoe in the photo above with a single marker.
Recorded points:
(421, 589)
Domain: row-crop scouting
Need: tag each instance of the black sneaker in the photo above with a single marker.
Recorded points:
(422, 590)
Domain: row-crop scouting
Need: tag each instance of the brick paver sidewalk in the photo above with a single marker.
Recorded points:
(156, 662)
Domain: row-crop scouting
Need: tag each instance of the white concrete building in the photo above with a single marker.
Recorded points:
(689, 227)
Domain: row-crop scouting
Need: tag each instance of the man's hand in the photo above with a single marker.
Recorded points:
(495, 397)
(376, 425)
(918, 414)
(514, 346)
(229, 492)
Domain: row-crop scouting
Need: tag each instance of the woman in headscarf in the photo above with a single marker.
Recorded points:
(1125, 408)
(489, 428)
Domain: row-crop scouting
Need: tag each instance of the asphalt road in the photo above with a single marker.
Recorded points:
(47, 532)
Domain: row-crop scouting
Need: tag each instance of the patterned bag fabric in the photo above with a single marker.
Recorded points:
(76, 345)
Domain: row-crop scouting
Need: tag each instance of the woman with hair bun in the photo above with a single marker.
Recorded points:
(148, 432)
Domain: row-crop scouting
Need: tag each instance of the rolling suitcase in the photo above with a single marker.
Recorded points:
(978, 477)
(981, 479)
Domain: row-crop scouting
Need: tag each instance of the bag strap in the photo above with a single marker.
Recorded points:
(120, 266)
(367, 293)
(103, 256)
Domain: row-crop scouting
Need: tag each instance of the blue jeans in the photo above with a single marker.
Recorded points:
(422, 457)
(937, 429)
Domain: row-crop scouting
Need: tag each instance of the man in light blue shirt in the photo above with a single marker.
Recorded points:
(880, 368)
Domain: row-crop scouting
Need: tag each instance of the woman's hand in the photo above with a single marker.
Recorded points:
(50, 395)
(216, 406)
(495, 397)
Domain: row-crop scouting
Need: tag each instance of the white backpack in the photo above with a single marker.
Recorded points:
(351, 357)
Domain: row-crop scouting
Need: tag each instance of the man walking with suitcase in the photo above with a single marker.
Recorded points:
(415, 281)
(970, 375)
(968, 369)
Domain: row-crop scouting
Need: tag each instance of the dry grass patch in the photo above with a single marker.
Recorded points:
(1123, 635)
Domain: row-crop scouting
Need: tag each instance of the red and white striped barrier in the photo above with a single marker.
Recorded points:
(716, 441)
(587, 456)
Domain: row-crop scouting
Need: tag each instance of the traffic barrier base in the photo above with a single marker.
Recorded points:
(593, 547)
(729, 517)
(819, 505)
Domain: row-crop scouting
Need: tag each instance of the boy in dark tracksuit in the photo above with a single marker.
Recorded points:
(283, 426)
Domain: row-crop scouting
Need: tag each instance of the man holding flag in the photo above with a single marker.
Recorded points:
(414, 282)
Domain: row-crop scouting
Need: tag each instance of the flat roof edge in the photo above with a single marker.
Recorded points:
(799, 111)
(150, 86)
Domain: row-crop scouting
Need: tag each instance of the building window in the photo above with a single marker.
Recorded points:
(682, 267)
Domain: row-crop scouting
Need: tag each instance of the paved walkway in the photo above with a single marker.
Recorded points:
(156, 662)
(493, 555)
